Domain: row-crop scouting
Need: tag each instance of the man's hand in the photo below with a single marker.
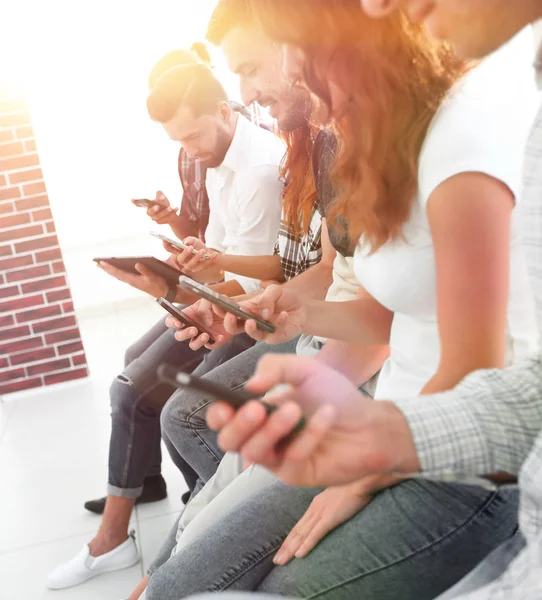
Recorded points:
(146, 280)
(347, 436)
(278, 305)
(202, 313)
(328, 510)
(162, 213)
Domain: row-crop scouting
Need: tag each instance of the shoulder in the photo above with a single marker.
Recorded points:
(482, 126)
(263, 147)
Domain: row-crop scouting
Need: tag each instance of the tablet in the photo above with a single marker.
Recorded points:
(128, 263)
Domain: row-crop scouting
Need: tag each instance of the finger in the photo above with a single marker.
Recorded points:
(161, 214)
(171, 249)
(273, 369)
(184, 257)
(251, 328)
(173, 323)
(161, 198)
(232, 324)
(303, 445)
(195, 263)
(219, 414)
(315, 535)
(264, 440)
(186, 333)
(204, 313)
(219, 341)
(217, 310)
(295, 538)
(248, 419)
(117, 273)
(265, 303)
(199, 341)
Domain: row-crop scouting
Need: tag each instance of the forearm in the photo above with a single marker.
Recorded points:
(313, 283)
(228, 288)
(183, 228)
(362, 321)
(255, 267)
(486, 425)
(358, 363)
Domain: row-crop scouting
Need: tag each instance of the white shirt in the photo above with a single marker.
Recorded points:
(245, 197)
(481, 127)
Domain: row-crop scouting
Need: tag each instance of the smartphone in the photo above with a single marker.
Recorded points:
(143, 202)
(223, 302)
(175, 243)
(235, 398)
(180, 316)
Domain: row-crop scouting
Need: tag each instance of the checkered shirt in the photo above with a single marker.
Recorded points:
(195, 202)
(492, 422)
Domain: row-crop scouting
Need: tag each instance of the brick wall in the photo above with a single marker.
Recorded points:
(40, 343)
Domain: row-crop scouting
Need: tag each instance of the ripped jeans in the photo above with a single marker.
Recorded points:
(137, 399)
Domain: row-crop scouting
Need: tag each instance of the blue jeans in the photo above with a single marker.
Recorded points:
(137, 399)
(412, 541)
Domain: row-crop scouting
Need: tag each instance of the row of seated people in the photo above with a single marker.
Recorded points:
(378, 231)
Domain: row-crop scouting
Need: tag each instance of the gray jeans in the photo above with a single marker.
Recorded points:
(137, 399)
(413, 541)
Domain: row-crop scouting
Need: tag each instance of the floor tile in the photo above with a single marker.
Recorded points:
(152, 534)
(23, 575)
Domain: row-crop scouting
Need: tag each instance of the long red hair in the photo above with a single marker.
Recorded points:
(393, 77)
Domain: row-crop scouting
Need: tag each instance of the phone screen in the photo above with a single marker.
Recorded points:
(223, 302)
(143, 202)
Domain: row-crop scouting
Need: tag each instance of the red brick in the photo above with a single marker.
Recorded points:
(20, 346)
(32, 273)
(44, 214)
(6, 292)
(22, 176)
(42, 285)
(3, 181)
(50, 227)
(37, 244)
(61, 323)
(34, 188)
(30, 357)
(71, 348)
(21, 233)
(24, 132)
(30, 146)
(13, 149)
(18, 386)
(44, 312)
(79, 359)
(16, 262)
(31, 203)
(11, 375)
(49, 367)
(10, 193)
(6, 321)
(14, 220)
(63, 336)
(6, 208)
(59, 267)
(14, 119)
(4, 363)
(22, 302)
(67, 376)
(58, 295)
(48, 255)
(6, 135)
(67, 307)
(14, 333)
(16, 163)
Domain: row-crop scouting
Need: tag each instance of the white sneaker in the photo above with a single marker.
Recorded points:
(83, 567)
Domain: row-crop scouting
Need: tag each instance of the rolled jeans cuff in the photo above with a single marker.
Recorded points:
(133, 493)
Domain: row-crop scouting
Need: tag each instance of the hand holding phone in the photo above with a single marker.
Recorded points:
(224, 302)
(180, 316)
(143, 202)
(178, 244)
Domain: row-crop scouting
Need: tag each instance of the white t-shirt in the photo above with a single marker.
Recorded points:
(481, 127)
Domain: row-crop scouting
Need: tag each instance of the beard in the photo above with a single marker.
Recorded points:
(216, 158)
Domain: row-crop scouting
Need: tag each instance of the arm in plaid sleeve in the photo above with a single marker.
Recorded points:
(487, 424)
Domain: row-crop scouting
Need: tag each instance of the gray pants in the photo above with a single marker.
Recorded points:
(137, 399)
(413, 541)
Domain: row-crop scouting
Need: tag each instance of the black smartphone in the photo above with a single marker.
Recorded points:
(223, 302)
(128, 263)
(143, 202)
(235, 398)
(180, 316)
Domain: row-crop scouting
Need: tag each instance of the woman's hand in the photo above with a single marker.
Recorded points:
(145, 279)
(328, 510)
(200, 312)
(204, 262)
(280, 306)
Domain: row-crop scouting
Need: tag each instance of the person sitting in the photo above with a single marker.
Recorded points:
(244, 195)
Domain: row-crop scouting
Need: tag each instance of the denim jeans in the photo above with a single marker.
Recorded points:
(137, 399)
(412, 541)
(184, 428)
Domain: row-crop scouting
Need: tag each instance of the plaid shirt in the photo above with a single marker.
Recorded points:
(492, 421)
(195, 202)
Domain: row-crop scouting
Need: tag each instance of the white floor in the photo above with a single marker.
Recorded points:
(53, 457)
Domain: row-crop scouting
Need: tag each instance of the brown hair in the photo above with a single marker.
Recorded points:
(193, 86)
(299, 195)
(394, 78)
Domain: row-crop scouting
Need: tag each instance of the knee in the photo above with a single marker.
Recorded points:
(131, 354)
(121, 393)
